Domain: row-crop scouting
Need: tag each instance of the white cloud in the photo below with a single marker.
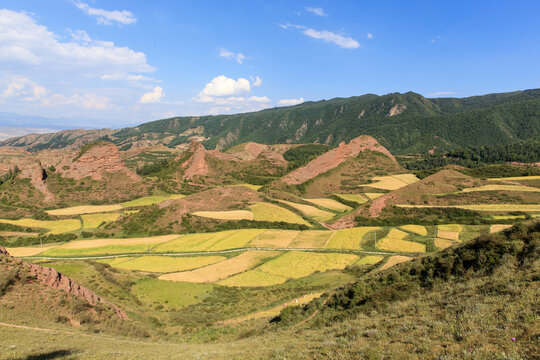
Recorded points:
(25, 88)
(327, 36)
(239, 57)
(153, 96)
(105, 17)
(317, 11)
(123, 76)
(290, 102)
(86, 101)
(442, 93)
(256, 82)
(369, 35)
(222, 86)
(23, 42)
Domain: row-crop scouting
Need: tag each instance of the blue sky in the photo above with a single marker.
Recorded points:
(114, 63)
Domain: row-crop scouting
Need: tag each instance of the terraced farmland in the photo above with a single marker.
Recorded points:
(394, 242)
(311, 211)
(442, 244)
(223, 269)
(394, 260)
(498, 187)
(54, 226)
(484, 207)
(329, 204)
(93, 221)
(210, 241)
(449, 232)
(274, 239)
(392, 182)
(226, 215)
(417, 229)
(291, 265)
(84, 209)
(311, 239)
(350, 238)
(151, 200)
(358, 198)
(270, 212)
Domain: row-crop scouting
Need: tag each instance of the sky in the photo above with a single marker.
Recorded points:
(117, 63)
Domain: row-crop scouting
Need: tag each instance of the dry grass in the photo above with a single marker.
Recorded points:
(162, 264)
(85, 209)
(329, 204)
(270, 212)
(93, 221)
(349, 238)
(498, 227)
(417, 229)
(311, 211)
(311, 239)
(442, 244)
(275, 238)
(54, 226)
(394, 260)
(496, 187)
(226, 215)
(223, 269)
(394, 242)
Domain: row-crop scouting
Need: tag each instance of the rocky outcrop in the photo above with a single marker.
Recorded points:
(52, 278)
(95, 161)
(37, 176)
(334, 157)
(397, 109)
(196, 165)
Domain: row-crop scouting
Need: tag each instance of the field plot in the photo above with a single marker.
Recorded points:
(442, 244)
(329, 204)
(274, 239)
(236, 240)
(107, 246)
(222, 240)
(394, 260)
(162, 264)
(449, 232)
(388, 182)
(311, 239)
(373, 196)
(359, 198)
(497, 228)
(26, 251)
(93, 221)
(394, 242)
(270, 212)
(407, 178)
(226, 215)
(223, 269)
(493, 187)
(250, 186)
(486, 207)
(54, 226)
(171, 294)
(291, 265)
(85, 209)
(311, 211)
(350, 238)
(417, 229)
(369, 260)
(151, 200)
(534, 177)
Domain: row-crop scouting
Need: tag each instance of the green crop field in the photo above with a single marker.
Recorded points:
(151, 200)
(54, 226)
(93, 221)
(312, 239)
(175, 294)
(329, 204)
(311, 211)
(85, 209)
(369, 260)
(274, 239)
(270, 212)
(350, 238)
(359, 198)
(162, 264)
(394, 242)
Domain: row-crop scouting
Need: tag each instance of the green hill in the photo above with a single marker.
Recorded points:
(403, 123)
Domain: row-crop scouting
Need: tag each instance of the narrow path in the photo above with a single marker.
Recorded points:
(366, 252)
(316, 311)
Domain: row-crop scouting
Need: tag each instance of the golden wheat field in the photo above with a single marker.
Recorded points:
(373, 196)
(226, 215)
(497, 187)
(442, 244)
(273, 213)
(394, 260)
(358, 198)
(394, 242)
(84, 209)
(532, 177)
(329, 204)
(311, 239)
(387, 183)
(162, 264)
(223, 269)
(311, 211)
(274, 239)
(93, 221)
(484, 207)
(369, 260)
(498, 227)
(350, 238)
(417, 229)
(54, 226)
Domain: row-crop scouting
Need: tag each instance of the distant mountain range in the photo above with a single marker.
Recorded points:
(404, 123)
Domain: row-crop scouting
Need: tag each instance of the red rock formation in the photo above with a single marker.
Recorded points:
(52, 278)
(334, 157)
(37, 176)
(99, 159)
(196, 164)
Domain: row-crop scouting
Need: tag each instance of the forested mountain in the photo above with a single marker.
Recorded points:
(404, 123)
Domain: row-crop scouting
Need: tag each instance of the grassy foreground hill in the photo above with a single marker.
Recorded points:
(479, 300)
(403, 123)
